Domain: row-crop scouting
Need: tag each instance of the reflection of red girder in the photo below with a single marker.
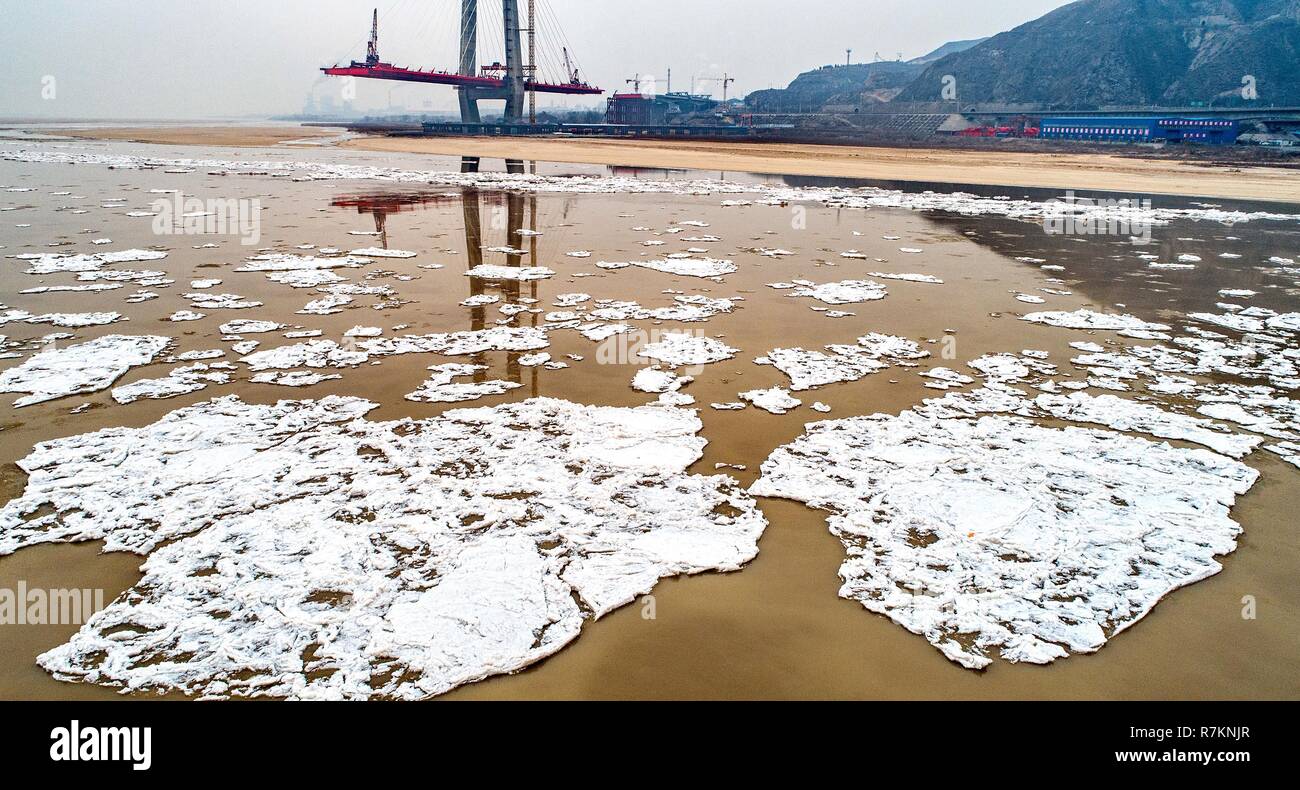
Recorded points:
(392, 203)
(387, 71)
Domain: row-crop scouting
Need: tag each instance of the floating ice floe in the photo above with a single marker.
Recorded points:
(907, 277)
(1286, 322)
(997, 536)
(677, 349)
(185, 315)
(441, 387)
(688, 309)
(205, 300)
(489, 271)
(876, 344)
(600, 332)
(685, 267)
(194, 356)
(249, 327)
(1287, 451)
(811, 369)
(656, 380)
(61, 319)
(775, 400)
(380, 252)
(305, 278)
(283, 262)
(85, 367)
(1239, 322)
(293, 378)
(1009, 368)
(1088, 319)
(326, 305)
(146, 278)
(300, 551)
(457, 344)
(571, 300)
(843, 292)
(310, 354)
(945, 378)
(1122, 414)
(181, 381)
(92, 287)
(52, 263)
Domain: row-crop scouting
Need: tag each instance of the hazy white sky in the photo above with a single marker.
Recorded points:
(224, 58)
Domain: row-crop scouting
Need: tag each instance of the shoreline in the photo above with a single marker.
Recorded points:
(1081, 172)
(957, 167)
(231, 136)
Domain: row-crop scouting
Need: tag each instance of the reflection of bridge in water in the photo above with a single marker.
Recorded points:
(380, 205)
(509, 213)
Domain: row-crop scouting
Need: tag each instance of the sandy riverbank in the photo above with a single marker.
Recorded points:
(1082, 171)
(1060, 171)
(234, 136)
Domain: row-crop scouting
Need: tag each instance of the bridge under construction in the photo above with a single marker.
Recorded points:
(516, 81)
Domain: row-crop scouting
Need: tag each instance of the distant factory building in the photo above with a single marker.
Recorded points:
(633, 109)
(1206, 131)
(636, 109)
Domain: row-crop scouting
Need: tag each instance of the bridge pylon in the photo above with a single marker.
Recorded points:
(513, 89)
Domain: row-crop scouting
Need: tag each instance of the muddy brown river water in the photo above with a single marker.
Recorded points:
(775, 629)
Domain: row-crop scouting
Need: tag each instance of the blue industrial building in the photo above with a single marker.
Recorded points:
(1130, 129)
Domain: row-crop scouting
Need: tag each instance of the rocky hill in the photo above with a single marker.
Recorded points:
(837, 85)
(948, 49)
(1096, 53)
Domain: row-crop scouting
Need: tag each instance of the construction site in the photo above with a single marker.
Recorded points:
(531, 66)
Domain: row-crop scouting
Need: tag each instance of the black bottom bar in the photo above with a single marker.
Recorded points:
(253, 741)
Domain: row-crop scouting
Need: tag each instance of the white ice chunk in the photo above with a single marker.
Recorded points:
(81, 368)
(999, 536)
(300, 551)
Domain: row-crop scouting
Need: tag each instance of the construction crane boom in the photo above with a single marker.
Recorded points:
(725, 79)
(372, 49)
(569, 70)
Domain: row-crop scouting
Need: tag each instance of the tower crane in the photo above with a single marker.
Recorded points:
(372, 48)
(569, 69)
(724, 79)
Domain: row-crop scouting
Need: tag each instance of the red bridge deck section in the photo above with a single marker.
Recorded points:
(387, 71)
